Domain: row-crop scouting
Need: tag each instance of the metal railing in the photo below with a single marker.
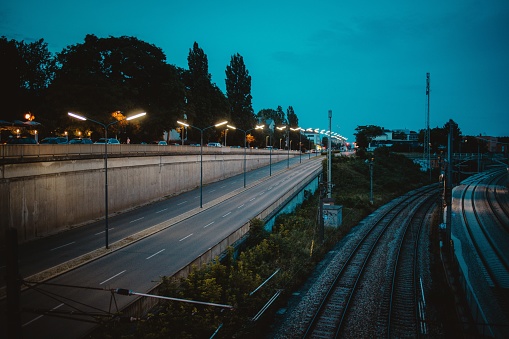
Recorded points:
(14, 153)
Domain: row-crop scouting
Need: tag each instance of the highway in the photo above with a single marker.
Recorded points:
(48, 252)
(139, 266)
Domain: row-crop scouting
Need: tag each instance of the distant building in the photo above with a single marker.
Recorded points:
(396, 137)
(494, 144)
(312, 136)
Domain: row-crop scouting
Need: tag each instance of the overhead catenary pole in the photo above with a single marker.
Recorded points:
(329, 159)
(427, 141)
(448, 187)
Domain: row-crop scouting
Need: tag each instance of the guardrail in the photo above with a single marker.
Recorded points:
(42, 152)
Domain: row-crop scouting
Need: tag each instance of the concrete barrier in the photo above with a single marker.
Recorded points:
(45, 197)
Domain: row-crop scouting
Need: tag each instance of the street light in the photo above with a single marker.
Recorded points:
(201, 152)
(105, 126)
(245, 137)
(287, 144)
(300, 144)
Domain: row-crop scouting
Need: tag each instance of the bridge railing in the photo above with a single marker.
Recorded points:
(40, 152)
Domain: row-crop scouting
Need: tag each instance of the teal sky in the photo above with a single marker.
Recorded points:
(366, 60)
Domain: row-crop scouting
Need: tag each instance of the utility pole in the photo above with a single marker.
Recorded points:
(13, 285)
(448, 187)
(329, 158)
(426, 155)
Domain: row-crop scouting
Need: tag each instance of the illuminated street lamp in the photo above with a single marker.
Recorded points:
(300, 144)
(245, 147)
(105, 126)
(29, 116)
(287, 144)
(201, 151)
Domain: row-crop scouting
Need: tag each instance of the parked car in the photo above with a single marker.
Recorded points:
(81, 141)
(54, 140)
(21, 141)
(111, 141)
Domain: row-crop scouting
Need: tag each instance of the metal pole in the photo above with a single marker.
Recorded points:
(270, 157)
(245, 137)
(371, 182)
(13, 284)
(288, 146)
(201, 168)
(478, 158)
(300, 147)
(448, 192)
(329, 159)
(106, 183)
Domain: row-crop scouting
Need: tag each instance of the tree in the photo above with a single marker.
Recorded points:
(291, 117)
(365, 134)
(206, 104)
(10, 67)
(293, 122)
(125, 74)
(238, 92)
(27, 70)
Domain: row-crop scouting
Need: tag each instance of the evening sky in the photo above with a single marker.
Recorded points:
(366, 60)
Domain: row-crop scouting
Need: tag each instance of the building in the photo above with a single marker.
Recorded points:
(396, 137)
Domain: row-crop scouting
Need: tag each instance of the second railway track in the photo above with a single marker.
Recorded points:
(358, 302)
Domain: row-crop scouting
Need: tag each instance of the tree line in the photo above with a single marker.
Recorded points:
(108, 78)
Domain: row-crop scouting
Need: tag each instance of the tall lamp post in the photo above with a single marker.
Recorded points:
(287, 144)
(245, 141)
(105, 126)
(300, 144)
(201, 151)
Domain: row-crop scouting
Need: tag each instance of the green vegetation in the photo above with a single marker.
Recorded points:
(102, 77)
(292, 248)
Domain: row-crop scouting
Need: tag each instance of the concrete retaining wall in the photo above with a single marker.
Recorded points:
(42, 198)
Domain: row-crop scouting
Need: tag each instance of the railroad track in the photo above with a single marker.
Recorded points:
(362, 301)
(407, 309)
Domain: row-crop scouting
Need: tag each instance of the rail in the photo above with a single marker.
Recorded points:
(331, 317)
